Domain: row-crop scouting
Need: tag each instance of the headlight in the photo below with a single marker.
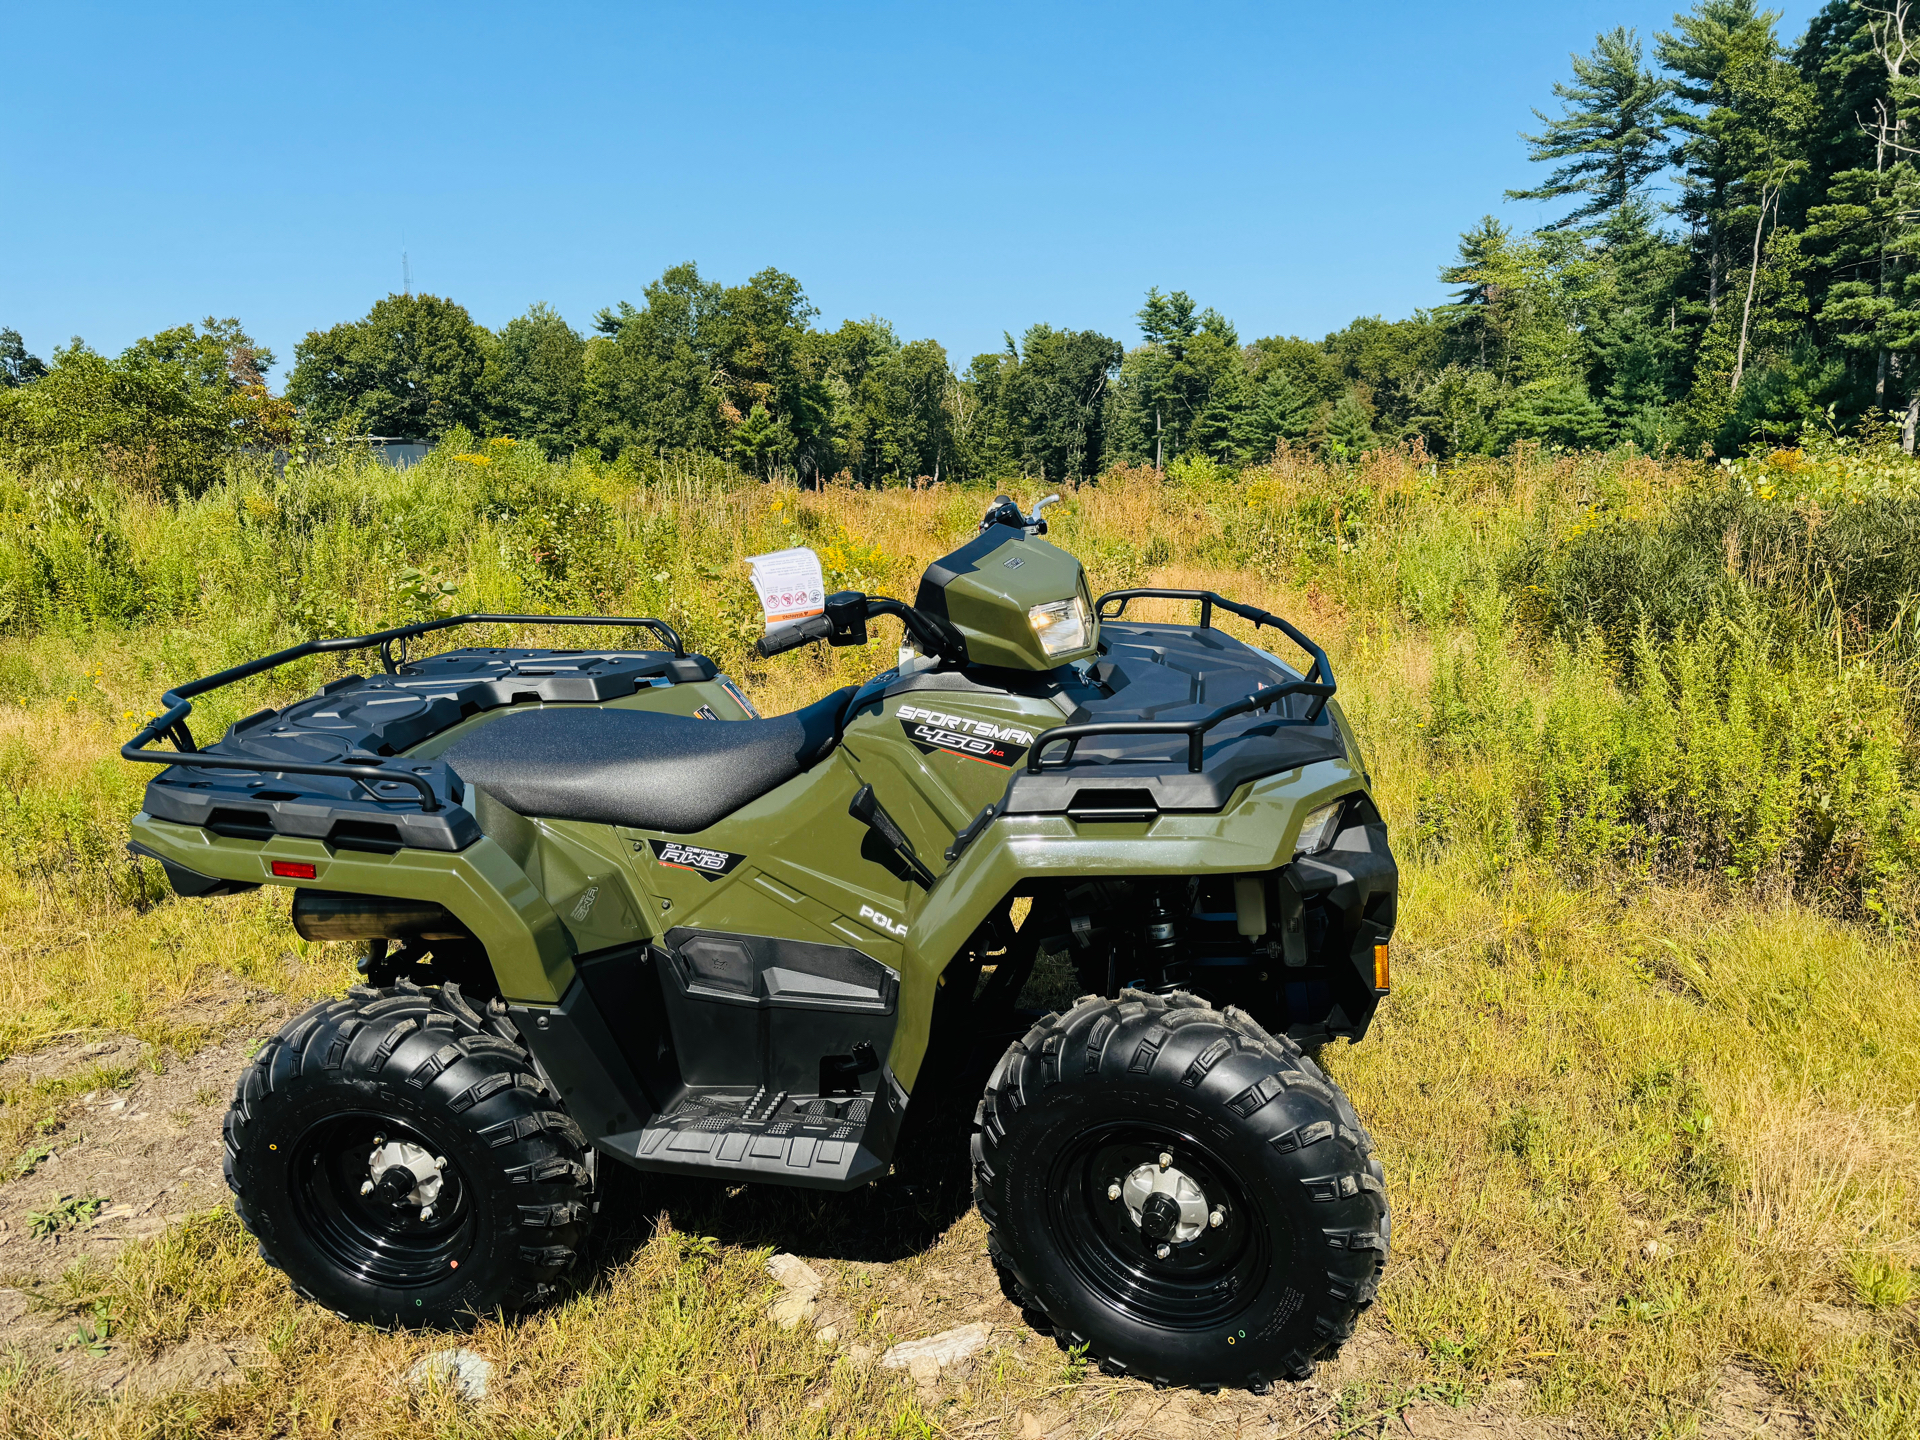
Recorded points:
(1318, 830)
(1060, 625)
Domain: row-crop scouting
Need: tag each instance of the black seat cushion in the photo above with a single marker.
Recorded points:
(641, 768)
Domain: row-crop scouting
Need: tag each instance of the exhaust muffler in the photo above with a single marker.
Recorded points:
(340, 916)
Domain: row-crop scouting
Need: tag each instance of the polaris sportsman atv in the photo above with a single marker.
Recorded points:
(609, 911)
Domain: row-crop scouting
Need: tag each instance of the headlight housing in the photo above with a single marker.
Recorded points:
(1060, 625)
(1323, 823)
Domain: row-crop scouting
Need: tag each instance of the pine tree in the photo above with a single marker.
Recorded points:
(1708, 47)
(1473, 305)
(1349, 432)
(1861, 215)
(1611, 134)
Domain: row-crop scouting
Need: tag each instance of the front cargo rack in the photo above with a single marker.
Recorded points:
(366, 771)
(1318, 684)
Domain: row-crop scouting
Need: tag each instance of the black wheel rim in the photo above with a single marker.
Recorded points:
(363, 1235)
(1203, 1282)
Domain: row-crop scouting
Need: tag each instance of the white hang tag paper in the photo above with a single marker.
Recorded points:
(789, 585)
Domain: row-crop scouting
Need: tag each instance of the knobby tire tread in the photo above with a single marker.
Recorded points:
(473, 1072)
(1263, 1084)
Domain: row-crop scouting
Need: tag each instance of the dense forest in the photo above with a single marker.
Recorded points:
(1775, 288)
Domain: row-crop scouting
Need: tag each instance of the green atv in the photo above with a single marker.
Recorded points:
(609, 911)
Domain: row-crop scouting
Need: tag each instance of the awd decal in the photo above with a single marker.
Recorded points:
(885, 923)
(711, 865)
(997, 745)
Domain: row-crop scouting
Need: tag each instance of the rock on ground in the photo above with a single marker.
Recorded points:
(937, 1352)
(801, 1298)
(465, 1373)
(794, 1273)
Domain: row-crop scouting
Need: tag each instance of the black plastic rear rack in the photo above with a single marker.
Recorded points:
(172, 723)
(1196, 730)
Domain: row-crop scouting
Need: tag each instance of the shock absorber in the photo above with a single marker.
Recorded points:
(1161, 936)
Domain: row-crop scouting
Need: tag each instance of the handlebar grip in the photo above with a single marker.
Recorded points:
(815, 627)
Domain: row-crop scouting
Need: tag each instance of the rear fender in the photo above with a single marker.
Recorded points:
(531, 952)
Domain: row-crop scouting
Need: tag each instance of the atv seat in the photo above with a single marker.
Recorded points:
(641, 768)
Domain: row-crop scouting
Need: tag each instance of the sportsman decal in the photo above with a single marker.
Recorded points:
(932, 730)
(708, 864)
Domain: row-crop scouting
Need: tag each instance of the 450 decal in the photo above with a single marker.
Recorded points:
(931, 730)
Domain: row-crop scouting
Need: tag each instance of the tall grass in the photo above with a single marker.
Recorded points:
(1624, 663)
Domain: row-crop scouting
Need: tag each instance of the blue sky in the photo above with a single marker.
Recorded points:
(960, 170)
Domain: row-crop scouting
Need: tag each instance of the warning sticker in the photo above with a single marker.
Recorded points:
(978, 740)
(789, 585)
(709, 864)
(735, 691)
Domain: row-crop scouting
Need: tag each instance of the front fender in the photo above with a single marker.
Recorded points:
(1256, 832)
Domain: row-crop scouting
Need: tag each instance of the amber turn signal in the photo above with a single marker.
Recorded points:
(1380, 967)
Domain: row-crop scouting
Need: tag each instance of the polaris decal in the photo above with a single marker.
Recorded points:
(997, 745)
(886, 923)
(710, 865)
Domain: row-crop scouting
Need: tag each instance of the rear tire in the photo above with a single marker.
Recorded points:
(374, 1089)
(1263, 1234)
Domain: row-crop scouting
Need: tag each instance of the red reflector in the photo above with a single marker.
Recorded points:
(294, 870)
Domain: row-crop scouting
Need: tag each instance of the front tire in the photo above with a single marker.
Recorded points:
(1186, 1196)
(396, 1154)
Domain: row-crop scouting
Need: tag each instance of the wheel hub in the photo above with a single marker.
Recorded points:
(403, 1175)
(1166, 1203)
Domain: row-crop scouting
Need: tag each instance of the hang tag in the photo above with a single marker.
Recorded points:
(789, 585)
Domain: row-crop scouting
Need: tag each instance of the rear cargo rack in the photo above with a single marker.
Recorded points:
(172, 723)
(1318, 683)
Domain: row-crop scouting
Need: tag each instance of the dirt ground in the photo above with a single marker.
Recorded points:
(128, 1160)
(136, 1158)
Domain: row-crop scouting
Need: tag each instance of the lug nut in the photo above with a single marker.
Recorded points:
(1113, 1190)
(1216, 1216)
(1163, 1251)
(1167, 1159)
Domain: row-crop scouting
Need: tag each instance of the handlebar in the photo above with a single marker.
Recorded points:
(845, 623)
(1005, 512)
(815, 627)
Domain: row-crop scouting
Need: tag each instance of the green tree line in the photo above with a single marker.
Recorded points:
(1777, 289)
